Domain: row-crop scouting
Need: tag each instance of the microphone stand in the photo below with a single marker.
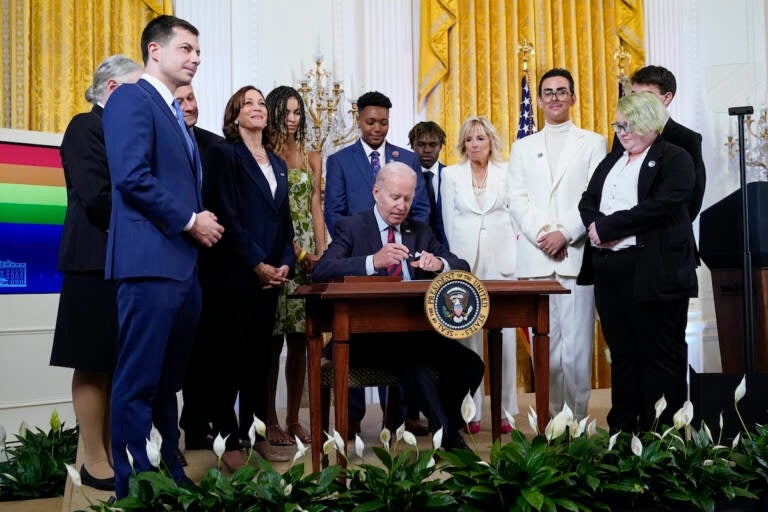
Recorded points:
(748, 313)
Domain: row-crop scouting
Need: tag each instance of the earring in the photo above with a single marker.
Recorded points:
(237, 123)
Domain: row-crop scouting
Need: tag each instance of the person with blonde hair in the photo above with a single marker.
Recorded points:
(641, 259)
(479, 229)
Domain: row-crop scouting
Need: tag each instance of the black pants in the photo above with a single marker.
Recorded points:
(649, 355)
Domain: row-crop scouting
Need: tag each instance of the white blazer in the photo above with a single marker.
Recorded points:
(542, 203)
(463, 219)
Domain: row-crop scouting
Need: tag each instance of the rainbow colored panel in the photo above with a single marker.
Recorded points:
(33, 201)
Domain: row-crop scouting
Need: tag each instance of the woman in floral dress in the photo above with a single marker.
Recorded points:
(288, 128)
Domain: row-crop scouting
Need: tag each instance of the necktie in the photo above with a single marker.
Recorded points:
(375, 164)
(183, 126)
(428, 176)
(395, 269)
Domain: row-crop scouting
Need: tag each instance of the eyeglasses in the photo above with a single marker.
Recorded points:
(620, 128)
(562, 94)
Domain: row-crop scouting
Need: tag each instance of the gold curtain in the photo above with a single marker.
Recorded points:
(52, 49)
(469, 65)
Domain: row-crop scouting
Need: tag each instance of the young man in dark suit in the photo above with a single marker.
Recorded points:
(157, 224)
(661, 82)
(378, 242)
(427, 140)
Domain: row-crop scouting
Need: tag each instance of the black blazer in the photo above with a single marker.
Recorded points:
(257, 227)
(666, 267)
(205, 140)
(690, 141)
(358, 236)
(89, 194)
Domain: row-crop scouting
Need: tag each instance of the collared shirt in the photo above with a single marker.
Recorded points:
(620, 191)
(381, 149)
(435, 169)
(384, 233)
(167, 95)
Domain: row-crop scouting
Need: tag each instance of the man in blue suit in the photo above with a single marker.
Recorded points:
(351, 172)
(156, 227)
(427, 140)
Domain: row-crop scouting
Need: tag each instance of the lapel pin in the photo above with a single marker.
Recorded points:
(652, 163)
(395, 154)
(539, 155)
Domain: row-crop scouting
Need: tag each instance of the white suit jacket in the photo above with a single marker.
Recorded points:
(463, 219)
(542, 202)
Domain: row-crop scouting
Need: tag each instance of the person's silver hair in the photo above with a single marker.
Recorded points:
(487, 127)
(394, 168)
(643, 111)
(114, 67)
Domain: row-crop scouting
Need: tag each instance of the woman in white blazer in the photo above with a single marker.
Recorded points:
(480, 229)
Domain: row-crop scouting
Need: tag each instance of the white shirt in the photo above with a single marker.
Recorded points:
(269, 174)
(620, 192)
(381, 150)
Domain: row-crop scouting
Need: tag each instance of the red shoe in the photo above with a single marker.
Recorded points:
(474, 427)
(506, 428)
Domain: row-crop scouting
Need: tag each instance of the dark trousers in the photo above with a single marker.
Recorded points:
(649, 355)
(410, 356)
(157, 320)
(242, 323)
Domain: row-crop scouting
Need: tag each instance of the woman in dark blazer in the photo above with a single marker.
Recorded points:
(86, 326)
(247, 187)
(642, 262)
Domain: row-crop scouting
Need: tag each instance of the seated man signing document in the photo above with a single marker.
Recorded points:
(382, 241)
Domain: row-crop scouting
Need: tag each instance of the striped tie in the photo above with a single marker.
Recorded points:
(395, 269)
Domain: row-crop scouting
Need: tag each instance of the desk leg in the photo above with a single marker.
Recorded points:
(341, 390)
(541, 360)
(314, 354)
(494, 373)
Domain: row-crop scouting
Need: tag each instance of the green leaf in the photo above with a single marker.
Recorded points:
(533, 497)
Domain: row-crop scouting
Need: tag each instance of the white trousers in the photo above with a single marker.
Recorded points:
(486, 268)
(571, 341)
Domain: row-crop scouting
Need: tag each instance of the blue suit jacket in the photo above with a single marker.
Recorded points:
(155, 187)
(358, 236)
(349, 183)
(257, 227)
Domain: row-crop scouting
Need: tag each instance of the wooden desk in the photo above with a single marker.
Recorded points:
(365, 307)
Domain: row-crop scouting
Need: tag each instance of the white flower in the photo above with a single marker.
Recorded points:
(385, 436)
(409, 438)
(338, 441)
(468, 409)
(707, 431)
(533, 419)
(437, 439)
(23, 428)
(261, 428)
(329, 446)
(155, 437)
(300, 449)
(736, 440)
(708, 462)
(359, 446)
(510, 418)
(559, 423)
(219, 445)
(682, 418)
(74, 475)
(721, 421)
(636, 445)
(10, 477)
(287, 490)
(661, 404)
(431, 462)
(399, 432)
(582, 425)
(741, 390)
(130, 457)
(153, 454)
(483, 463)
(592, 427)
(252, 434)
(55, 421)
(573, 429)
(612, 441)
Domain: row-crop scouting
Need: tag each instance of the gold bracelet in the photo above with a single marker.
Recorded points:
(301, 256)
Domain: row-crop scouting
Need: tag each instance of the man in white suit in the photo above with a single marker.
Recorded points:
(549, 171)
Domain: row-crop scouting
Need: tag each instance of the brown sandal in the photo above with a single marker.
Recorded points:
(277, 436)
(266, 452)
(298, 430)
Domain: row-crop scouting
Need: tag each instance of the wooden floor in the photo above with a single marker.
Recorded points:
(201, 460)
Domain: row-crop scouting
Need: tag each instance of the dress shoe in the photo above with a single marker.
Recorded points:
(102, 484)
(185, 482)
(353, 427)
(505, 428)
(198, 443)
(455, 442)
(474, 427)
(180, 458)
(233, 460)
(417, 427)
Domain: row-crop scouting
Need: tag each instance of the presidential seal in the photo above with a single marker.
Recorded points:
(456, 304)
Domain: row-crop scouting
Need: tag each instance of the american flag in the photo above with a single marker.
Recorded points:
(527, 124)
